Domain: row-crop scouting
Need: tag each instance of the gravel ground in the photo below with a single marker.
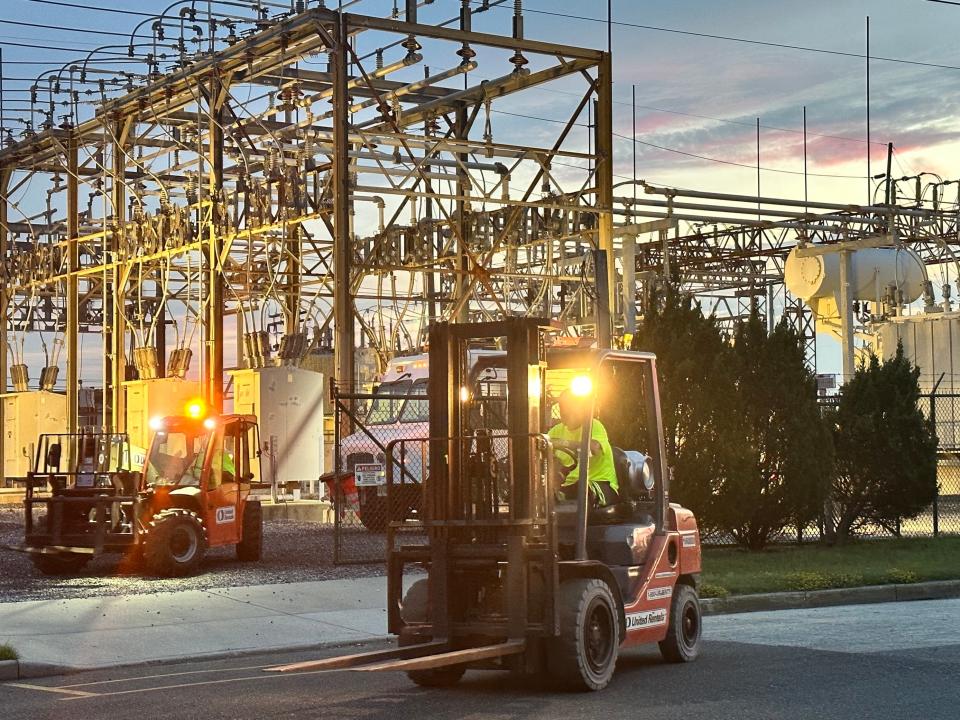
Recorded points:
(292, 552)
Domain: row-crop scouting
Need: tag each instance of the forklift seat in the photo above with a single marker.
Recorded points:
(633, 473)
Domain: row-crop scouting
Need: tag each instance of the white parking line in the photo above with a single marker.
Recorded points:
(135, 678)
(44, 688)
(272, 676)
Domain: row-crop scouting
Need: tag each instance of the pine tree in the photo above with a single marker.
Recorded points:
(690, 349)
(886, 448)
(775, 451)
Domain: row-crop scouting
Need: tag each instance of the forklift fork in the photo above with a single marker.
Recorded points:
(427, 656)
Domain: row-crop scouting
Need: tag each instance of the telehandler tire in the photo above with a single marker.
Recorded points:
(175, 543)
(682, 643)
(414, 610)
(250, 547)
(60, 563)
(584, 656)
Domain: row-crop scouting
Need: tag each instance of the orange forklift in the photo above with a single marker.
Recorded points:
(519, 576)
(192, 494)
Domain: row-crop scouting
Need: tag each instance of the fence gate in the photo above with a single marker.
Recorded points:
(365, 425)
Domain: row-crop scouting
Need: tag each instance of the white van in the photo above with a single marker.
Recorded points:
(398, 413)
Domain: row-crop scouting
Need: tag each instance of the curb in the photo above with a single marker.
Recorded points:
(933, 590)
(21, 669)
(9, 669)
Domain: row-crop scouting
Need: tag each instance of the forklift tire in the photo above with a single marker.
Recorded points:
(413, 609)
(584, 655)
(250, 547)
(175, 543)
(60, 563)
(682, 643)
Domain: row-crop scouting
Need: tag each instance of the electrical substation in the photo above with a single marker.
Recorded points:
(252, 203)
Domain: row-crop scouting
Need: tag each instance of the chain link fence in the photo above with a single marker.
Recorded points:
(941, 517)
(365, 426)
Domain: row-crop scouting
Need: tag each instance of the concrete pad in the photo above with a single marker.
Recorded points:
(12, 497)
(299, 510)
(106, 631)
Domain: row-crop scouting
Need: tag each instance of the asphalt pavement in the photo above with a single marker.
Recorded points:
(896, 660)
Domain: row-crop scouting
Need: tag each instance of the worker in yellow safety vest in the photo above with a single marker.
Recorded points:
(567, 435)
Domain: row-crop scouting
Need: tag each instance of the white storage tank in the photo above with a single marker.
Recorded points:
(872, 270)
(26, 416)
(288, 403)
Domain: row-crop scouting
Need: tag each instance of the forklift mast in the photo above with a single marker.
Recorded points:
(450, 419)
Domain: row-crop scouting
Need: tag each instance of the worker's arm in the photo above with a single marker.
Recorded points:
(598, 440)
(595, 447)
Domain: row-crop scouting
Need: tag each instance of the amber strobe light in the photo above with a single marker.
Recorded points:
(196, 409)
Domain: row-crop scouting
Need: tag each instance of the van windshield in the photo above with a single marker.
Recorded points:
(385, 408)
(416, 410)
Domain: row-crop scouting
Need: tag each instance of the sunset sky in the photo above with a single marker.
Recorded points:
(727, 84)
(696, 95)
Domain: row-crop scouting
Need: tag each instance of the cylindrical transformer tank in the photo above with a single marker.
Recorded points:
(872, 270)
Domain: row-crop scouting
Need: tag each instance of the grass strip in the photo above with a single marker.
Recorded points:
(733, 571)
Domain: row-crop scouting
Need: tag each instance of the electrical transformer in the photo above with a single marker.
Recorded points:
(155, 398)
(288, 403)
(26, 416)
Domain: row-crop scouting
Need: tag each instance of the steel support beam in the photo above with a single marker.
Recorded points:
(115, 291)
(343, 310)
(845, 302)
(604, 170)
(213, 330)
(72, 329)
(461, 131)
(5, 174)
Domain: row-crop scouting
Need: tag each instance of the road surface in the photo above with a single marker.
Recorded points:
(869, 661)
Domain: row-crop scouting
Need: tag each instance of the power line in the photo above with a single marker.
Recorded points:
(738, 164)
(91, 7)
(690, 154)
(85, 31)
(730, 38)
(62, 49)
(723, 120)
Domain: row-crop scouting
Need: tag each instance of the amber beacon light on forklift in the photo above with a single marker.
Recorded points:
(87, 495)
(525, 571)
